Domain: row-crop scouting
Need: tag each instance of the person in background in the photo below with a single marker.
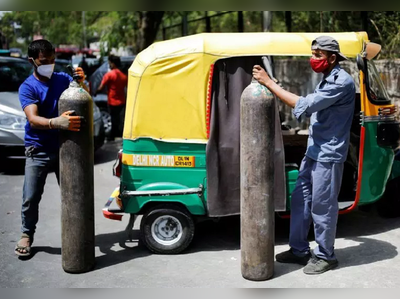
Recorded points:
(116, 82)
(39, 95)
(315, 197)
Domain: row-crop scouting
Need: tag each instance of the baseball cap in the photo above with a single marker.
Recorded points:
(327, 43)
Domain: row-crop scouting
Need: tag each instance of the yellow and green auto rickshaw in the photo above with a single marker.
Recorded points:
(180, 157)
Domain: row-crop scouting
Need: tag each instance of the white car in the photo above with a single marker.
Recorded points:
(13, 71)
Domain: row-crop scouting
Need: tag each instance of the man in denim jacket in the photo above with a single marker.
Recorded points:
(315, 197)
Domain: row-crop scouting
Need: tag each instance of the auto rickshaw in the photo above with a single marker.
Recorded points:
(179, 161)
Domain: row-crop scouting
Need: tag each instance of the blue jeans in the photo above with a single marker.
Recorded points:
(315, 200)
(37, 165)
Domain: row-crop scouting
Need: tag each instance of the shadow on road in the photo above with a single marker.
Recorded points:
(130, 250)
(225, 233)
(45, 249)
(368, 251)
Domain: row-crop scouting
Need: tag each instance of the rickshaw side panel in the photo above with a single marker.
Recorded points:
(375, 169)
(163, 176)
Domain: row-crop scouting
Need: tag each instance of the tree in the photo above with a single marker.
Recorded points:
(149, 24)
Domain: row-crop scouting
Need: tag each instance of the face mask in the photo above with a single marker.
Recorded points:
(319, 65)
(45, 70)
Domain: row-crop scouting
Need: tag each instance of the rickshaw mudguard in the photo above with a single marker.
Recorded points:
(163, 192)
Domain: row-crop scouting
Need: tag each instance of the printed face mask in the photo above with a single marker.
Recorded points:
(45, 70)
(319, 65)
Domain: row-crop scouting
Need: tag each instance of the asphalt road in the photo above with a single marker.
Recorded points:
(366, 247)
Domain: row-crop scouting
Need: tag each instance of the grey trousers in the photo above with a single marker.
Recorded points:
(315, 200)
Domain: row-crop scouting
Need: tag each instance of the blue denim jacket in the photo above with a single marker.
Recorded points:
(331, 109)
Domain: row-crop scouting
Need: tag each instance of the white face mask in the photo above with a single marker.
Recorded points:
(45, 70)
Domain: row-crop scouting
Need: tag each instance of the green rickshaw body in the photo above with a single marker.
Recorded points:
(139, 178)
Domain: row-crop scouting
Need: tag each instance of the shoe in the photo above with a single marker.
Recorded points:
(24, 250)
(290, 257)
(317, 265)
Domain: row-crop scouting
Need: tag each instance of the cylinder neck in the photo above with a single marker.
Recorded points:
(74, 83)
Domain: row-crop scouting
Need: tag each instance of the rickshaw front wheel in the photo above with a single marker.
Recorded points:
(167, 229)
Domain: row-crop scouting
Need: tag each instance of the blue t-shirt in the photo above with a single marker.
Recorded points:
(330, 109)
(45, 95)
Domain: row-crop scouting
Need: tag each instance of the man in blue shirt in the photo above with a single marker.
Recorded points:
(39, 95)
(315, 197)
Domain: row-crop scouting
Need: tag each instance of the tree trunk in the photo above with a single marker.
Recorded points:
(364, 20)
(288, 21)
(267, 21)
(240, 21)
(149, 24)
(184, 24)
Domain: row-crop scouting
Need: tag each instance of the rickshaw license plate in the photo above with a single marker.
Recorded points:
(158, 160)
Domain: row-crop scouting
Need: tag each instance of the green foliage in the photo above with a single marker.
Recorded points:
(384, 28)
(118, 28)
(125, 28)
(59, 27)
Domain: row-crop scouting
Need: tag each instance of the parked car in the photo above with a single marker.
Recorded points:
(13, 71)
(61, 66)
(101, 98)
(16, 52)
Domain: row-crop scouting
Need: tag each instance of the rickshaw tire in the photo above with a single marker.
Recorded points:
(184, 217)
(389, 205)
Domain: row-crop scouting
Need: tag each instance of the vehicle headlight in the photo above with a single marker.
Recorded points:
(96, 112)
(12, 121)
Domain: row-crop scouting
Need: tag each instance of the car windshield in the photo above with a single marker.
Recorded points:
(13, 73)
(377, 89)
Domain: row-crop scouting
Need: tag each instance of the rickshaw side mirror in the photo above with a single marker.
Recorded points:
(371, 50)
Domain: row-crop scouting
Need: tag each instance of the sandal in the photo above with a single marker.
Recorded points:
(18, 249)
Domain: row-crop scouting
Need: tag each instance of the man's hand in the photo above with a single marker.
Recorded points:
(261, 75)
(67, 122)
(80, 73)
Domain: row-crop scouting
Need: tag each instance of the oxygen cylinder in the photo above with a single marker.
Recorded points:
(76, 183)
(257, 148)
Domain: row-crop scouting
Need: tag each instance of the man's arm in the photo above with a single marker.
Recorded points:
(63, 122)
(36, 121)
(285, 96)
(100, 88)
(103, 83)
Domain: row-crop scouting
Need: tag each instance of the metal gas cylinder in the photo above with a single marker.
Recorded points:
(76, 183)
(257, 149)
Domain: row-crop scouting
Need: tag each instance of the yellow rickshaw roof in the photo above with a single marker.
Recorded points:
(167, 82)
(244, 44)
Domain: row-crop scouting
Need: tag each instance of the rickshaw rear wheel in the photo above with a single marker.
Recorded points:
(167, 229)
(389, 205)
